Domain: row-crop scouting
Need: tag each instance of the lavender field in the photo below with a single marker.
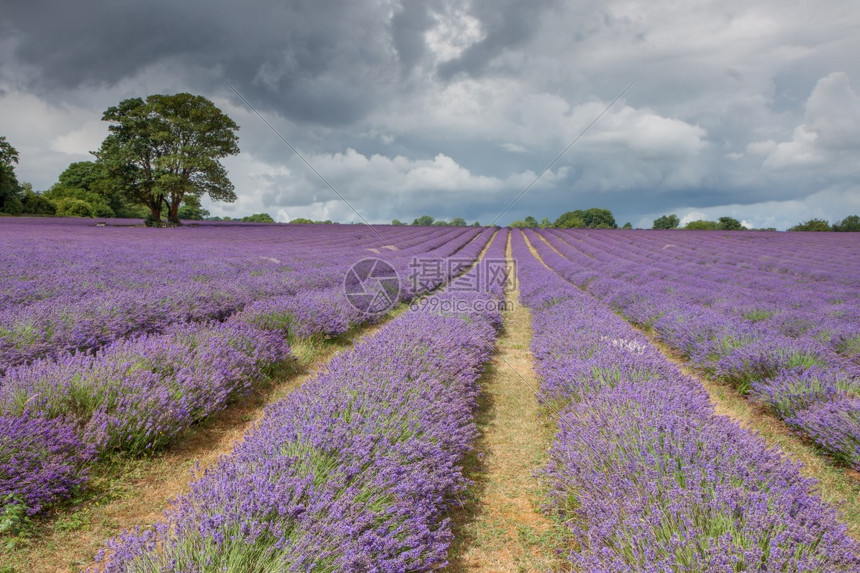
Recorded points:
(115, 340)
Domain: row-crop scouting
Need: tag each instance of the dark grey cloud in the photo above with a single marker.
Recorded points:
(450, 107)
(319, 61)
(75, 43)
(408, 27)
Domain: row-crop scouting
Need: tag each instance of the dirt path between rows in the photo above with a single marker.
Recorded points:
(500, 528)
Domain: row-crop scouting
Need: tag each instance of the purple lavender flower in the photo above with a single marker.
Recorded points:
(42, 460)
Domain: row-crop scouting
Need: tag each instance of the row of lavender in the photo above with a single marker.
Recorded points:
(185, 275)
(738, 280)
(137, 395)
(643, 473)
(794, 285)
(352, 472)
(763, 332)
(68, 261)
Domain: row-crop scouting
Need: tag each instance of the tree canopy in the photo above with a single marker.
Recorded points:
(425, 220)
(729, 224)
(266, 218)
(35, 203)
(851, 223)
(723, 224)
(87, 181)
(666, 222)
(701, 225)
(812, 225)
(10, 200)
(593, 218)
(167, 147)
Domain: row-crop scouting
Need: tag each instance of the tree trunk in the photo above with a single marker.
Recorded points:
(173, 213)
(154, 213)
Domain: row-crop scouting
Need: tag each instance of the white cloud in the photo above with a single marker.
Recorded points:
(89, 136)
(692, 215)
(47, 137)
(512, 147)
(829, 135)
(398, 185)
(454, 32)
(646, 133)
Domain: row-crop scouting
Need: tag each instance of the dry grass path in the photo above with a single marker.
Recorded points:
(500, 528)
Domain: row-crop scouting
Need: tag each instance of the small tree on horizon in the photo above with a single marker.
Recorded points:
(812, 225)
(851, 223)
(702, 225)
(263, 218)
(593, 218)
(729, 224)
(425, 220)
(666, 222)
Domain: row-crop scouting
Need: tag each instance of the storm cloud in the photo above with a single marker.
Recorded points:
(452, 108)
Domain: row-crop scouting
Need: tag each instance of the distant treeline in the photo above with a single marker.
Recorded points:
(593, 218)
(849, 223)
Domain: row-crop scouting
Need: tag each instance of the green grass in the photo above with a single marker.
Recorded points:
(758, 315)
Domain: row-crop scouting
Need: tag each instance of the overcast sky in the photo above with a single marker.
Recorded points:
(452, 108)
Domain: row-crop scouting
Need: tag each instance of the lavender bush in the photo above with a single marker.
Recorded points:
(137, 389)
(643, 473)
(41, 460)
(737, 307)
(138, 394)
(353, 472)
(188, 275)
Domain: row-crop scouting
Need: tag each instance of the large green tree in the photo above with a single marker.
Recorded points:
(10, 190)
(167, 147)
